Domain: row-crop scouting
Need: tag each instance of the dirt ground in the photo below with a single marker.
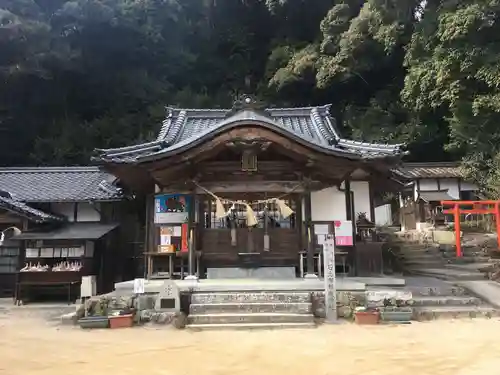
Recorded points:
(37, 345)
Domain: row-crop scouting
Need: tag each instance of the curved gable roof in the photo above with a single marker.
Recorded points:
(312, 126)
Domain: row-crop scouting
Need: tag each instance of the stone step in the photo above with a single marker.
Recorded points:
(453, 312)
(230, 318)
(249, 326)
(252, 307)
(448, 274)
(251, 297)
(418, 256)
(412, 266)
(446, 301)
(437, 291)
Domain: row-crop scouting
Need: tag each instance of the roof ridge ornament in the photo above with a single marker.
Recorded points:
(247, 102)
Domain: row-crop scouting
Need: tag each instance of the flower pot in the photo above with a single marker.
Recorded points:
(396, 315)
(92, 322)
(366, 317)
(121, 321)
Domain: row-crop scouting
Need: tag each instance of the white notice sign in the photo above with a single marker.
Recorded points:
(329, 272)
(139, 286)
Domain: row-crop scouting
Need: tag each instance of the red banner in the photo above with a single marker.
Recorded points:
(184, 239)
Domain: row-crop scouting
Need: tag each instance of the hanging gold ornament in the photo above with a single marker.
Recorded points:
(251, 219)
(285, 211)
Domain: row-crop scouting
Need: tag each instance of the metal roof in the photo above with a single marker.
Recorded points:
(28, 212)
(312, 125)
(430, 170)
(74, 231)
(59, 184)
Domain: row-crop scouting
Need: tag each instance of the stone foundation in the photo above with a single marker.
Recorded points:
(346, 302)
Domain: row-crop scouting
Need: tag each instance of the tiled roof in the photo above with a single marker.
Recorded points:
(313, 125)
(24, 210)
(430, 170)
(58, 184)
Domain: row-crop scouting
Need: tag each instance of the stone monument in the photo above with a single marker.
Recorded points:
(168, 299)
(330, 276)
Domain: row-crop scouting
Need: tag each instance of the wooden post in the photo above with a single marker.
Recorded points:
(191, 234)
(309, 234)
(149, 232)
(456, 218)
(497, 219)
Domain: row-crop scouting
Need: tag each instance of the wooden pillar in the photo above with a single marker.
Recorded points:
(309, 233)
(456, 218)
(497, 221)
(192, 234)
(149, 240)
(348, 200)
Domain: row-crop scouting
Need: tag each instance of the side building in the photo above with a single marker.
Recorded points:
(427, 184)
(73, 221)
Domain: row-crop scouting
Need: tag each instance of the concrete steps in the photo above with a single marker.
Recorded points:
(233, 318)
(249, 326)
(265, 307)
(250, 310)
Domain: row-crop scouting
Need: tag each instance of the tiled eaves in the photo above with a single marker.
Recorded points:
(59, 184)
(28, 212)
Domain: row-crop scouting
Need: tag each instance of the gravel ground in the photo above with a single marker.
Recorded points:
(32, 342)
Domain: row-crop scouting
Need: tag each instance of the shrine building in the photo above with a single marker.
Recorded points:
(252, 192)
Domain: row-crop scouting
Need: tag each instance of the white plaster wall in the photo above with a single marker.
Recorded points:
(425, 184)
(454, 188)
(361, 191)
(383, 215)
(86, 211)
(452, 185)
(328, 204)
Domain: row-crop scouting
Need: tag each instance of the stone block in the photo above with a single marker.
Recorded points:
(146, 301)
(444, 237)
(346, 301)
(70, 318)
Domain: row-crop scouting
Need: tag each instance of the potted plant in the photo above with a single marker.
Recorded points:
(396, 310)
(96, 315)
(366, 316)
(122, 318)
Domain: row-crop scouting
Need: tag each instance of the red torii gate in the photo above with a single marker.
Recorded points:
(478, 207)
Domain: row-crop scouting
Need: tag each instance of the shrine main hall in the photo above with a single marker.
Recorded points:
(252, 191)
